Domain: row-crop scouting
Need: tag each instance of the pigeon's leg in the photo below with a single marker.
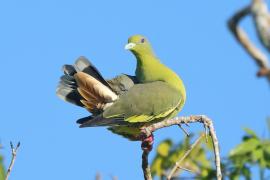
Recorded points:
(147, 146)
(147, 143)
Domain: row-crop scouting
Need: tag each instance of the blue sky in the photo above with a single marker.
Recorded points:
(191, 37)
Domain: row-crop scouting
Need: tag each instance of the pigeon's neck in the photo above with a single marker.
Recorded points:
(146, 64)
(145, 58)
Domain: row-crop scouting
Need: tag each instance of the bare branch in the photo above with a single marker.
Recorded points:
(185, 169)
(147, 131)
(259, 57)
(14, 154)
(179, 162)
(145, 165)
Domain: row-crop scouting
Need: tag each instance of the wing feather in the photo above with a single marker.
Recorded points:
(146, 102)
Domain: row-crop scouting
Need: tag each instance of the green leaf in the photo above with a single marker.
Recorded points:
(257, 154)
(209, 144)
(156, 167)
(258, 157)
(197, 161)
(201, 158)
(251, 133)
(246, 173)
(2, 170)
(266, 148)
(164, 148)
(247, 146)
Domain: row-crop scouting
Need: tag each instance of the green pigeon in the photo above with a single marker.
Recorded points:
(125, 103)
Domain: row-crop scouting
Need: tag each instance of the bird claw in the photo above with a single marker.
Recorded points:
(147, 143)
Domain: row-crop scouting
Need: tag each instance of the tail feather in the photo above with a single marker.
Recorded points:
(68, 81)
(69, 95)
(94, 121)
(68, 87)
(69, 70)
(88, 95)
(84, 120)
(93, 91)
(84, 65)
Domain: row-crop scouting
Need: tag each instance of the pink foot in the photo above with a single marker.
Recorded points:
(147, 143)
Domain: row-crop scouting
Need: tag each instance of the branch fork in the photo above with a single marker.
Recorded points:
(14, 155)
(259, 57)
(208, 124)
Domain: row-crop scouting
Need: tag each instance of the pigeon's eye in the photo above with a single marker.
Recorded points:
(142, 40)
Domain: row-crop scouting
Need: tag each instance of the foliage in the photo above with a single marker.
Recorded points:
(197, 161)
(251, 152)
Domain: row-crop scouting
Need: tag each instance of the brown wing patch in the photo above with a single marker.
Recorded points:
(97, 96)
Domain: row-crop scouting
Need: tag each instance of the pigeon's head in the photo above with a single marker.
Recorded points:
(139, 45)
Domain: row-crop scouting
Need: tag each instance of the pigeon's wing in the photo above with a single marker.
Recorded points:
(141, 104)
(122, 83)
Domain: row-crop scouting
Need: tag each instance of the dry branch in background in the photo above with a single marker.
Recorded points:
(259, 57)
(147, 130)
(178, 163)
(98, 176)
(14, 154)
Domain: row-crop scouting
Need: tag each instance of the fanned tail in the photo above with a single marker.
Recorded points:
(67, 88)
(83, 85)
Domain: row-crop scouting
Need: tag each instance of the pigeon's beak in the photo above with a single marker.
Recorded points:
(130, 46)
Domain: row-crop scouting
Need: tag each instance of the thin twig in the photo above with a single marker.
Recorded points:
(185, 169)
(184, 130)
(259, 57)
(145, 165)
(98, 176)
(179, 162)
(206, 133)
(184, 120)
(14, 154)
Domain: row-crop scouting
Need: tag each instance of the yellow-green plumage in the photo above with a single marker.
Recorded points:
(125, 103)
(145, 102)
(160, 96)
(150, 69)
